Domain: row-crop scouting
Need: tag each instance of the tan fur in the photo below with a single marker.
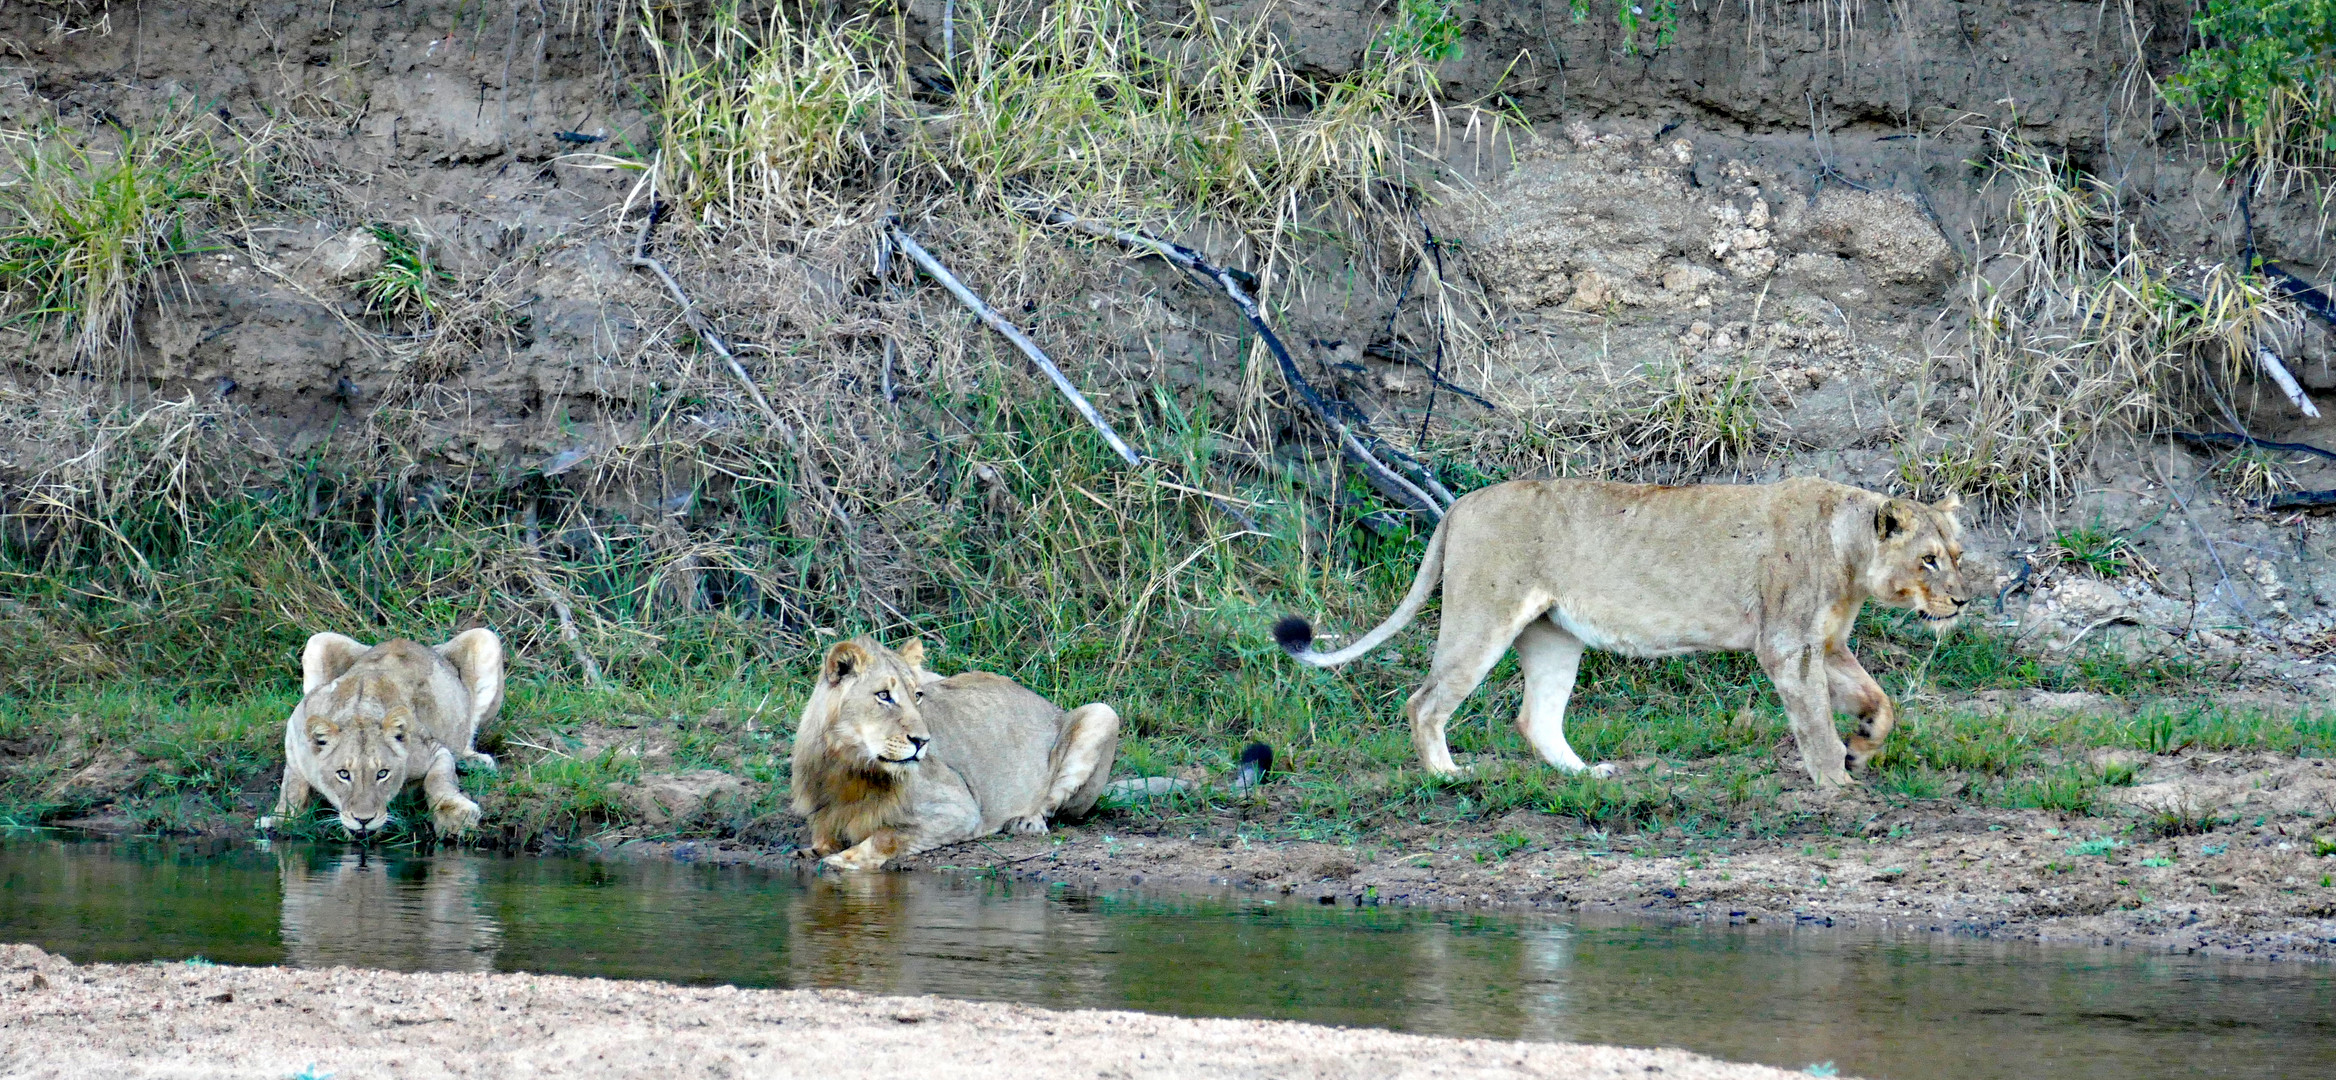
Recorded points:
(373, 719)
(892, 759)
(1778, 570)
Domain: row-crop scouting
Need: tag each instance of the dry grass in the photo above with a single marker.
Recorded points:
(2078, 334)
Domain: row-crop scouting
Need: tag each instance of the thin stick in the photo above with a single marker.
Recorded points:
(2269, 362)
(1191, 262)
(1010, 332)
(543, 586)
(698, 323)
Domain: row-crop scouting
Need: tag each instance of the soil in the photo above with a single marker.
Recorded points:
(2263, 888)
(181, 1020)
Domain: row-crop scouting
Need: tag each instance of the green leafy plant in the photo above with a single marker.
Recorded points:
(2100, 845)
(408, 281)
(1635, 16)
(1423, 31)
(2267, 72)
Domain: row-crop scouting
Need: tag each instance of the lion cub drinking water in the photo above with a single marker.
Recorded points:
(375, 718)
(892, 759)
(1778, 570)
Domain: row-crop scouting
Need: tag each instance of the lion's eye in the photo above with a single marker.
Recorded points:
(344, 775)
(380, 776)
(884, 696)
(920, 695)
(1930, 562)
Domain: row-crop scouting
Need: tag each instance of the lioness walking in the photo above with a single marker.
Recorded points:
(1779, 570)
(892, 759)
(373, 718)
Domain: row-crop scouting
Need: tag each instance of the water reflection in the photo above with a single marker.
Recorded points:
(403, 914)
(1881, 1007)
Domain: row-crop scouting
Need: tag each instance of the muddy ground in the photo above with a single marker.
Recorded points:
(2263, 886)
(181, 1020)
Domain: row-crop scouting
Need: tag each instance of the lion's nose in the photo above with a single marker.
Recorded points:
(917, 743)
(366, 825)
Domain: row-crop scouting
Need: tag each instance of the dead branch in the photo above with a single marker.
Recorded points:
(1387, 480)
(1010, 332)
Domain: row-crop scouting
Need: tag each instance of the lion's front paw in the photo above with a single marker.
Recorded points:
(455, 816)
(1602, 770)
(269, 822)
(478, 761)
(856, 859)
(1027, 825)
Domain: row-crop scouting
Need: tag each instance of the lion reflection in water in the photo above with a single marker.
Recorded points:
(407, 915)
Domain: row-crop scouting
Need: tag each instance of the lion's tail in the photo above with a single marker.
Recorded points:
(1296, 635)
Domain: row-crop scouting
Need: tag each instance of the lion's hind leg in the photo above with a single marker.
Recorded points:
(1551, 658)
(1856, 693)
(1082, 765)
(1464, 655)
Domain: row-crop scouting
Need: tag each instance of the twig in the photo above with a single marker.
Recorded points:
(2211, 553)
(1386, 479)
(1010, 332)
(698, 323)
(543, 586)
(2269, 362)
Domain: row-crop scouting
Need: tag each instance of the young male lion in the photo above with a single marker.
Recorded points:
(376, 717)
(892, 759)
(1779, 570)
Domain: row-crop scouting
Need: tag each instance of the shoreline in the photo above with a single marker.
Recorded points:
(2258, 892)
(58, 1019)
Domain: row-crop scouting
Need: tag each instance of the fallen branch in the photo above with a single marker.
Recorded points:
(2226, 438)
(2269, 362)
(543, 587)
(1010, 332)
(1386, 479)
(2302, 500)
(698, 323)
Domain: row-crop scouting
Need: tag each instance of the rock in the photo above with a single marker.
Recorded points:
(2084, 601)
(351, 258)
(668, 798)
(2076, 702)
(1887, 234)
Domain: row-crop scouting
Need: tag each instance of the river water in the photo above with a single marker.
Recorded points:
(1872, 1005)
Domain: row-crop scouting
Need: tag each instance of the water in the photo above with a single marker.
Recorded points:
(1900, 1008)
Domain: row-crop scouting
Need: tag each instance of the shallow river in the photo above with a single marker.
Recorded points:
(1896, 1007)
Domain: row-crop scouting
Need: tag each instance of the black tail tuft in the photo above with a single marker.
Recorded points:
(1295, 635)
(1256, 760)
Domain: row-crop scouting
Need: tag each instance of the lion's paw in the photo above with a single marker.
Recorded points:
(478, 761)
(1603, 770)
(455, 816)
(1027, 825)
(854, 860)
(269, 823)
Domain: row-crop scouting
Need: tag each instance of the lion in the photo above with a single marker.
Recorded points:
(374, 718)
(891, 759)
(1779, 570)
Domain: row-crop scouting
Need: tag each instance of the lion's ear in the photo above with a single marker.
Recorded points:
(320, 728)
(1950, 504)
(913, 653)
(325, 658)
(846, 659)
(393, 724)
(1895, 518)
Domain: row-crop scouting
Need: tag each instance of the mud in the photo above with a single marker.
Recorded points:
(2263, 886)
(182, 1020)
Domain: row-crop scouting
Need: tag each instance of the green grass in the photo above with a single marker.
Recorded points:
(90, 222)
(408, 282)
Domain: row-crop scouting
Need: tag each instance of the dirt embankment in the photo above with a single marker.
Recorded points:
(59, 1020)
(2263, 885)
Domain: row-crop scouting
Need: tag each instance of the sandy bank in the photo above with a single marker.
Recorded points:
(60, 1020)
